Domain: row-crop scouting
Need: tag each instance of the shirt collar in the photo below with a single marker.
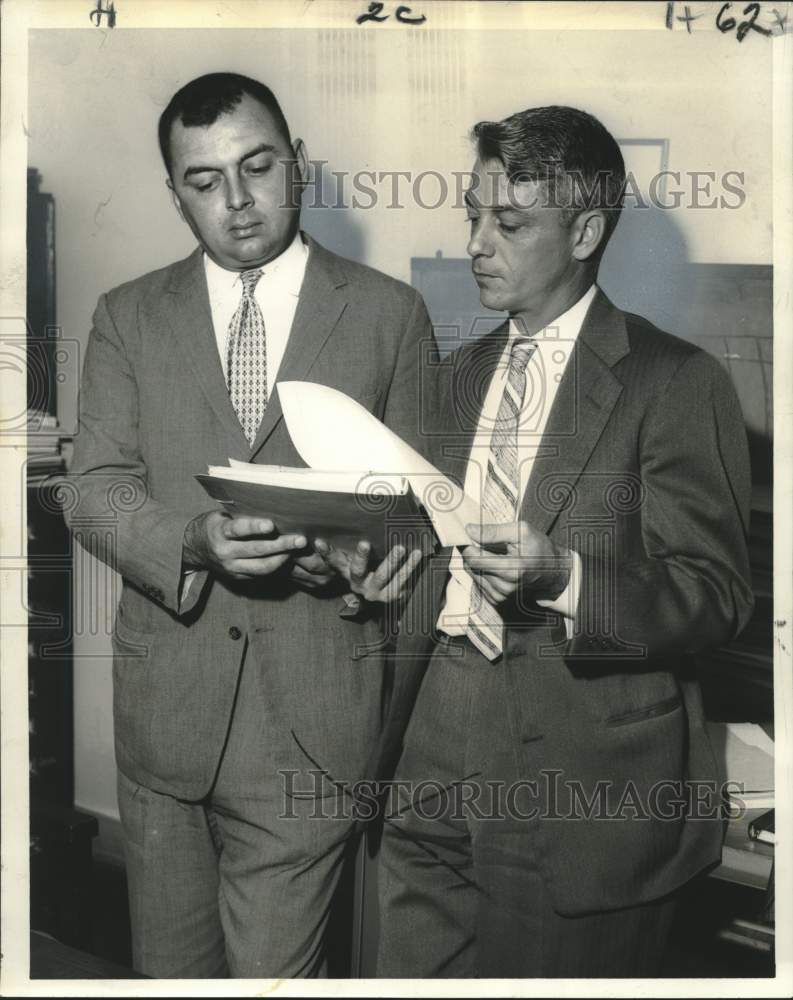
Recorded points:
(565, 327)
(289, 267)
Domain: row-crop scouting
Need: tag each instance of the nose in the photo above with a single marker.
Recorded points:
(237, 195)
(478, 244)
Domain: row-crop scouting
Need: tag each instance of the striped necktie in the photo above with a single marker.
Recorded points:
(501, 493)
(246, 371)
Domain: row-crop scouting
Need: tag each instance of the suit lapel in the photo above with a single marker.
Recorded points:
(467, 376)
(190, 317)
(321, 303)
(586, 397)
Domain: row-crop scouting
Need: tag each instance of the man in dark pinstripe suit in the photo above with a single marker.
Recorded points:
(569, 786)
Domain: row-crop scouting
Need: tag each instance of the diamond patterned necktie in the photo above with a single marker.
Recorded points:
(500, 494)
(246, 356)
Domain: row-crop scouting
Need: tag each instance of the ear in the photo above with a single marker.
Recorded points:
(175, 198)
(589, 233)
(301, 161)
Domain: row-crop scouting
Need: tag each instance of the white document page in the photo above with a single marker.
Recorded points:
(331, 431)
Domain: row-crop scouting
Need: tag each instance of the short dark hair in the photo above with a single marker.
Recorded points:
(205, 99)
(569, 150)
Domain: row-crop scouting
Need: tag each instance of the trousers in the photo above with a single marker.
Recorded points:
(240, 884)
(461, 890)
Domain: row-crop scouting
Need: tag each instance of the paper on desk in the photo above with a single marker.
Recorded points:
(745, 755)
(331, 431)
(753, 735)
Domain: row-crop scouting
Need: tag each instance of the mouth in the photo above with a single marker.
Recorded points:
(484, 276)
(243, 231)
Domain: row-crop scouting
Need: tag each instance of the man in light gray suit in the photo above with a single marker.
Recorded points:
(234, 671)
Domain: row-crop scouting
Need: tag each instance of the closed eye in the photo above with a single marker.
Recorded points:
(204, 185)
(507, 229)
(259, 168)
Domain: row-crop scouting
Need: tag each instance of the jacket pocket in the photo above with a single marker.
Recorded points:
(131, 642)
(665, 707)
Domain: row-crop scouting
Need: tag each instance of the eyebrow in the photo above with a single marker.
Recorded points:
(263, 148)
(477, 207)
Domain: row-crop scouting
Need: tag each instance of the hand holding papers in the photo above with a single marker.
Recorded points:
(364, 482)
(388, 583)
(240, 548)
(342, 508)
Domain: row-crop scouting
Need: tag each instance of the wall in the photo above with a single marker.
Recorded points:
(365, 100)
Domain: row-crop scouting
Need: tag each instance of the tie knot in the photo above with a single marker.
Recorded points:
(250, 280)
(522, 350)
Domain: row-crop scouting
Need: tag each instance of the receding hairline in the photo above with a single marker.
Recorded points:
(258, 147)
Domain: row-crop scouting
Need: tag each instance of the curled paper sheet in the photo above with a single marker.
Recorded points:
(331, 431)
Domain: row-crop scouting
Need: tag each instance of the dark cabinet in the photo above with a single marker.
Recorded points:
(60, 836)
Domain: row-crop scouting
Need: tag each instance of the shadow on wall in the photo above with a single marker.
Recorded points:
(645, 268)
(335, 227)
(727, 309)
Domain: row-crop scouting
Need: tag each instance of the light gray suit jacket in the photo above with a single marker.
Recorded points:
(154, 412)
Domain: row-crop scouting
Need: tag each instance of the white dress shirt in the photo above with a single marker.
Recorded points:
(544, 373)
(277, 293)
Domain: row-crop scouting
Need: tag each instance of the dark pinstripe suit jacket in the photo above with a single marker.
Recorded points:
(643, 469)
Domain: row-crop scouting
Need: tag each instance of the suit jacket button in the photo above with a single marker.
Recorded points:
(234, 632)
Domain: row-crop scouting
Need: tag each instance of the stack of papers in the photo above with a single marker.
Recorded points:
(327, 481)
(362, 481)
(341, 508)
